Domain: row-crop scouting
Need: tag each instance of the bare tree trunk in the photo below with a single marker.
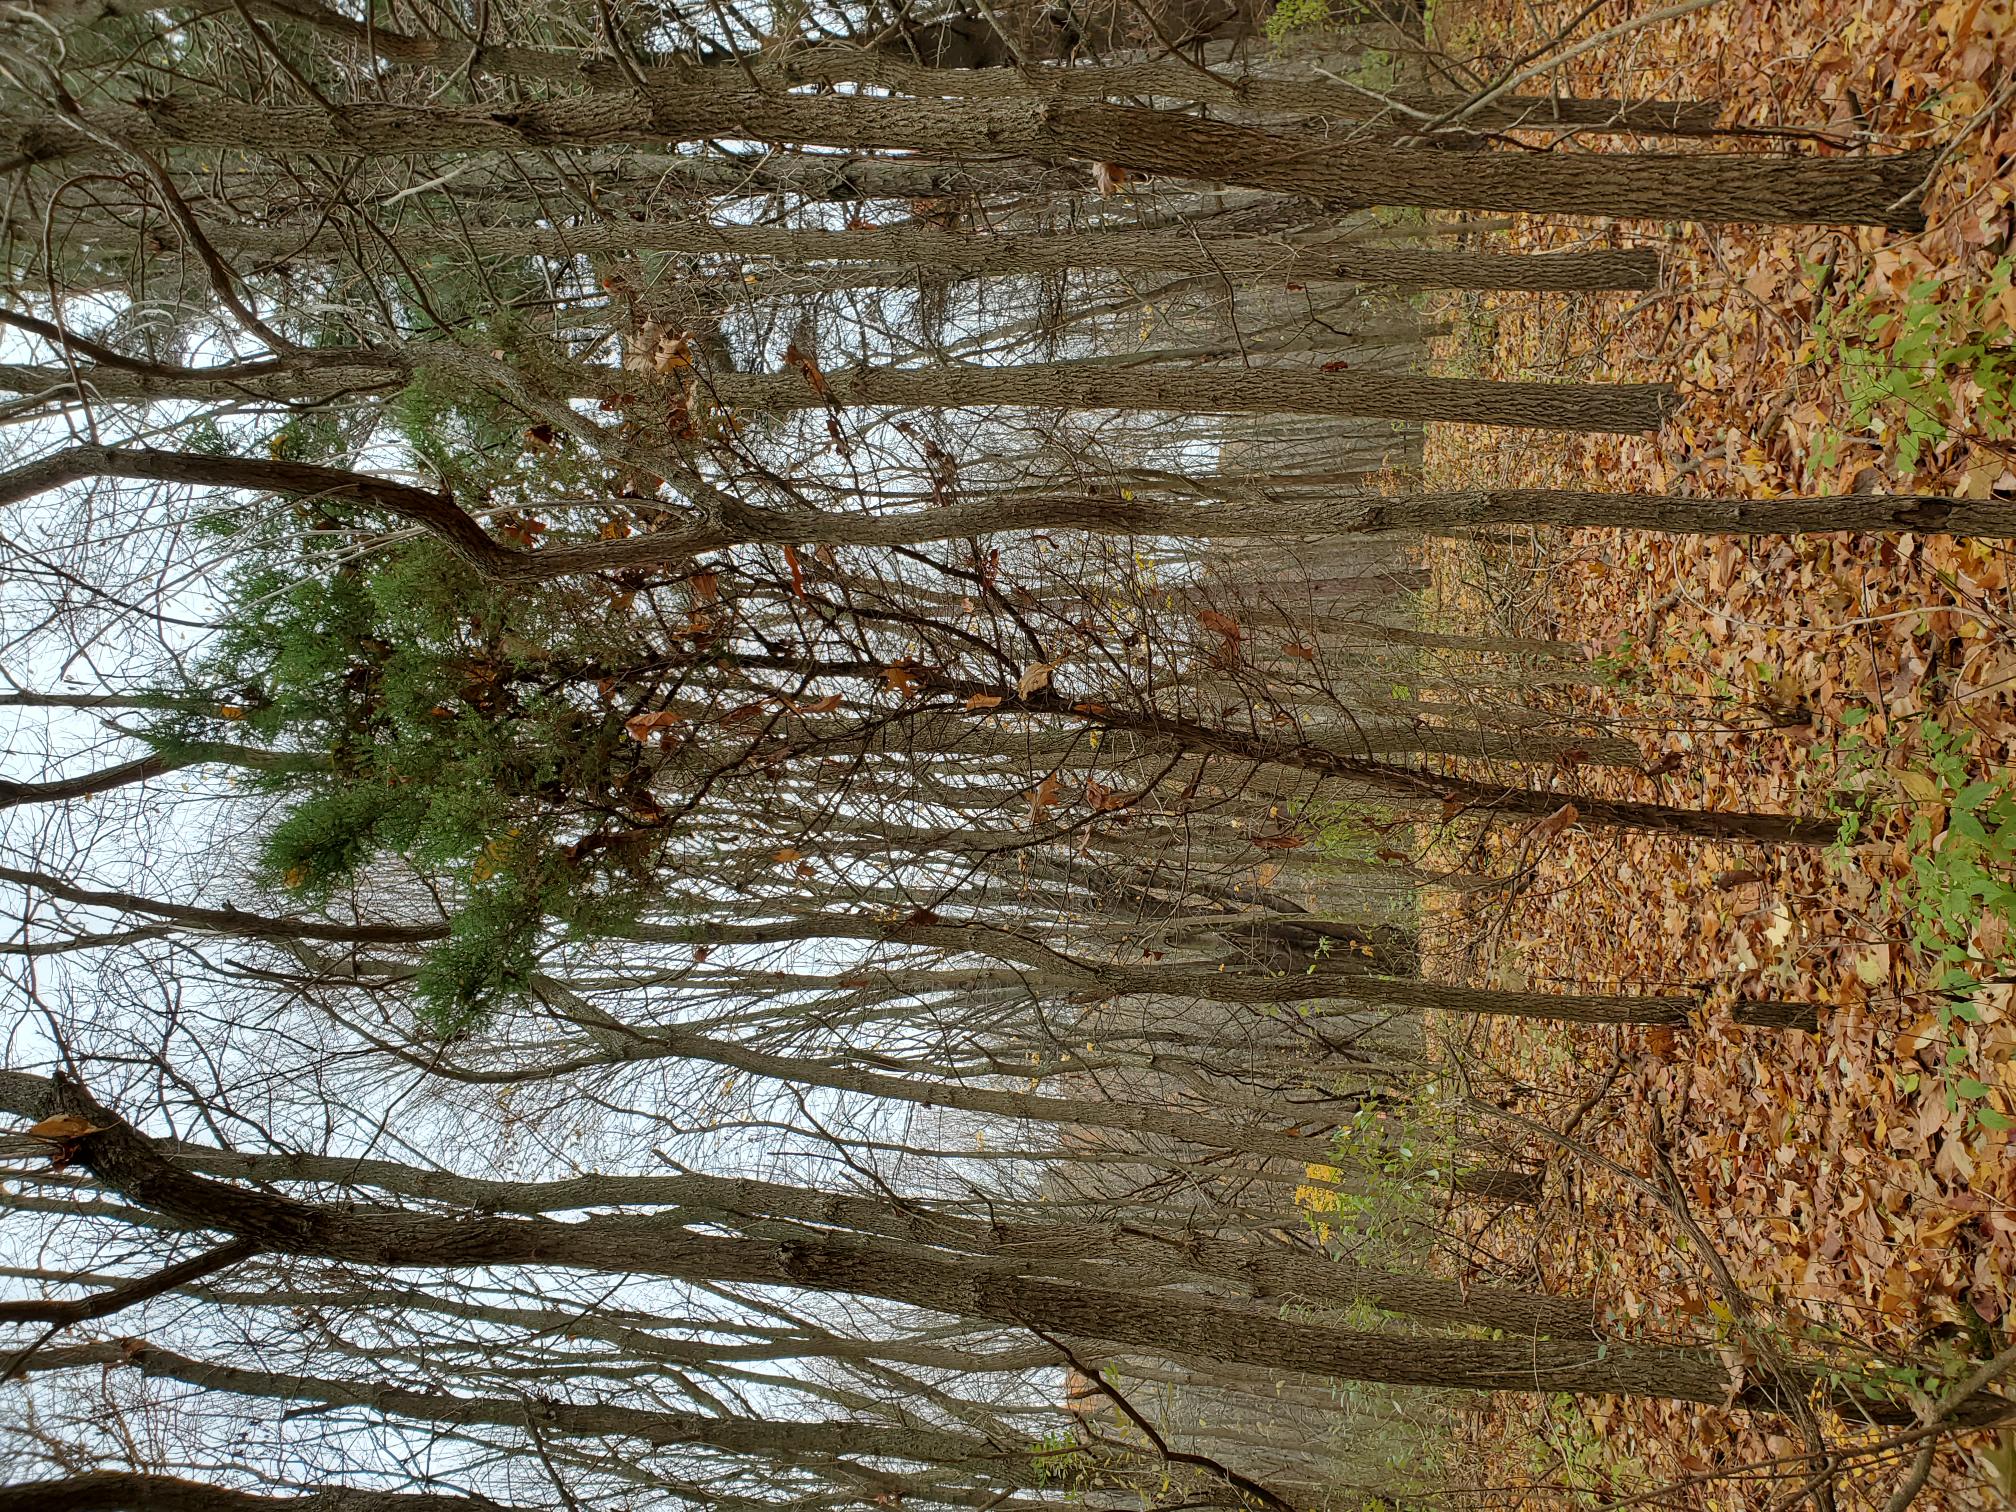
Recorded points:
(1882, 191)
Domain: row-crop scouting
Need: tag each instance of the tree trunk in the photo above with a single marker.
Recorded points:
(1883, 191)
(923, 246)
(954, 1286)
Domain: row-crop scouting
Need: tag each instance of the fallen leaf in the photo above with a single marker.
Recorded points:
(1280, 842)
(1300, 651)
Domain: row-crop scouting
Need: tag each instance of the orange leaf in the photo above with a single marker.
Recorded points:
(797, 572)
(1300, 651)
(1110, 178)
(787, 853)
(804, 363)
(706, 587)
(65, 1126)
(1221, 624)
(1103, 799)
(984, 701)
(1041, 797)
(824, 705)
(902, 681)
(230, 711)
(1555, 822)
(643, 726)
(1280, 842)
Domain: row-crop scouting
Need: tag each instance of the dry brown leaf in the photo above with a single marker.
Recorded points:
(644, 726)
(1300, 651)
(1035, 677)
(1110, 178)
(981, 701)
(60, 1126)
(1042, 796)
(1554, 823)
(1280, 842)
(1220, 624)
(902, 681)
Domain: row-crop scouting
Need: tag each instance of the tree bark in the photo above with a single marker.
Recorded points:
(690, 107)
(956, 1287)
(1159, 251)
(138, 1491)
(798, 1442)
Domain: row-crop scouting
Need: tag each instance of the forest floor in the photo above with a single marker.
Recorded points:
(1861, 1182)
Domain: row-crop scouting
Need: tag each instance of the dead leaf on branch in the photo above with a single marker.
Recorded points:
(1554, 823)
(1220, 624)
(1280, 842)
(58, 1127)
(1042, 797)
(1104, 800)
(642, 727)
(804, 363)
(981, 701)
(1035, 678)
(902, 681)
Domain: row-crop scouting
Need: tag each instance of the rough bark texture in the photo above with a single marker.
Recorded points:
(981, 254)
(956, 1286)
(1709, 187)
(783, 1442)
(1626, 407)
(1129, 1255)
